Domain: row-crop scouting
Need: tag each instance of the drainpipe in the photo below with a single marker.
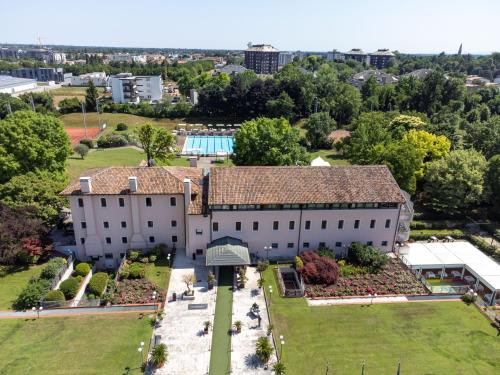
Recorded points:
(300, 230)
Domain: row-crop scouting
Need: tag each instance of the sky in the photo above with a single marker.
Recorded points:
(418, 26)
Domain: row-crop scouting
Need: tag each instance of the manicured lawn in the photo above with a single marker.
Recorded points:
(70, 92)
(13, 282)
(73, 345)
(220, 356)
(427, 337)
(330, 156)
(159, 273)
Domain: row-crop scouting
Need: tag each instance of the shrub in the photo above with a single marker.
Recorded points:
(326, 252)
(137, 270)
(367, 256)
(299, 264)
(144, 260)
(125, 272)
(469, 298)
(32, 294)
(82, 269)
(262, 265)
(112, 140)
(52, 268)
(264, 349)
(159, 355)
(54, 295)
(121, 127)
(159, 250)
(87, 142)
(152, 258)
(133, 255)
(79, 278)
(98, 283)
(69, 287)
(318, 269)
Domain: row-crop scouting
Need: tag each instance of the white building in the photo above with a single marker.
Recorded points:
(335, 56)
(127, 58)
(127, 88)
(285, 58)
(97, 78)
(14, 85)
(273, 211)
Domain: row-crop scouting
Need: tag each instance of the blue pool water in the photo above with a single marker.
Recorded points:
(207, 144)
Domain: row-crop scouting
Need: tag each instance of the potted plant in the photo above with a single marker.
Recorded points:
(279, 368)
(238, 324)
(211, 280)
(270, 328)
(206, 326)
(242, 278)
(189, 279)
(159, 355)
(260, 282)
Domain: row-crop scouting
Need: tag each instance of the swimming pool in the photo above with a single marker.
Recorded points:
(207, 145)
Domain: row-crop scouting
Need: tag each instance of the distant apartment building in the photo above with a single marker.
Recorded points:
(45, 55)
(381, 58)
(262, 58)
(128, 58)
(9, 53)
(359, 79)
(97, 78)
(230, 69)
(13, 85)
(285, 58)
(40, 74)
(358, 55)
(127, 88)
(335, 56)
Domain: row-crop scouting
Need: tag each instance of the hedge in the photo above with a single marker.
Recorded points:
(70, 287)
(82, 269)
(112, 140)
(52, 268)
(137, 270)
(32, 294)
(54, 295)
(121, 127)
(424, 234)
(97, 284)
(87, 142)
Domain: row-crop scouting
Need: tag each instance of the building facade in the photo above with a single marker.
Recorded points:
(357, 54)
(262, 58)
(40, 74)
(127, 88)
(285, 58)
(381, 58)
(97, 78)
(277, 211)
(12, 85)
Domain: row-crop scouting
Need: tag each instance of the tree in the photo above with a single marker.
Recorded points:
(403, 123)
(31, 141)
(157, 143)
(484, 136)
(455, 183)
(70, 105)
(492, 183)
(81, 150)
(319, 126)
(264, 349)
(91, 97)
(265, 141)
(282, 106)
(43, 101)
(189, 279)
(10, 104)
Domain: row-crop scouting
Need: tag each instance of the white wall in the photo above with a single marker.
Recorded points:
(18, 88)
(150, 87)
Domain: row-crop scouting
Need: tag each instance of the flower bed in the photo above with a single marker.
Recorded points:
(137, 291)
(392, 279)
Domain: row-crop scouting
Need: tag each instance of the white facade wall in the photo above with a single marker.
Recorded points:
(18, 88)
(117, 89)
(150, 87)
(98, 79)
(199, 233)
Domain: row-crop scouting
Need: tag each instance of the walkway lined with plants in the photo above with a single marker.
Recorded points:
(220, 358)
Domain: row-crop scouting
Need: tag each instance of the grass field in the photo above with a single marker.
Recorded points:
(330, 156)
(80, 345)
(12, 283)
(427, 337)
(71, 92)
(159, 273)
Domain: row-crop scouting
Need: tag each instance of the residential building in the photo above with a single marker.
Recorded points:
(127, 88)
(97, 78)
(128, 58)
(231, 69)
(9, 53)
(193, 96)
(335, 56)
(285, 58)
(45, 55)
(275, 211)
(419, 73)
(40, 74)
(381, 58)
(262, 58)
(12, 85)
(382, 78)
(358, 55)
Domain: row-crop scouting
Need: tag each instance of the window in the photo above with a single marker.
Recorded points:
(150, 224)
(274, 245)
(308, 224)
(388, 223)
(199, 232)
(173, 201)
(108, 240)
(238, 226)
(151, 239)
(121, 202)
(83, 224)
(103, 202)
(341, 224)
(321, 244)
(323, 224)
(338, 244)
(108, 255)
(384, 243)
(199, 251)
(149, 203)
(289, 245)
(291, 225)
(80, 202)
(124, 239)
(124, 224)
(173, 223)
(276, 225)
(174, 238)
(372, 224)
(215, 226)
(369, 243)
(105, 224)
(82, 241)
(305, 245)
(255, 225)
(356, 224)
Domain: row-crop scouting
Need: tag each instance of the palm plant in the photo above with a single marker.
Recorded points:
(159, 355)
(264, 349)
(279, 368)
(238, 324)
(206, 326)
(260, 282)
(242, 278)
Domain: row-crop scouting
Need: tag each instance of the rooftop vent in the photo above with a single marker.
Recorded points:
(86, 184)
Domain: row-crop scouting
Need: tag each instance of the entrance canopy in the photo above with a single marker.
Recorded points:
(227, 251)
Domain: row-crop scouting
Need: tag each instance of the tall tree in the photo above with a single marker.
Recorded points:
(91, 96)
(318, 127)
(492, 182)
(157, 143)
(282, 106)
(484, 136)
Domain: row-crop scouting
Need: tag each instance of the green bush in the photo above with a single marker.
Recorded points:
(367, 256)
(87, 142)
(97, 284)
(264, 349)
(112, 140)
(299, 264)
(152, 258)
(54, 295)
(82, 269)
(469, 298)
(424, 234)
(32, 294)
(133, 255)
(144, 260)
(52, 268)
(326, 252)
(137, 270)
(159, 250)
(69, 287)
(121, 127)
(262, 265)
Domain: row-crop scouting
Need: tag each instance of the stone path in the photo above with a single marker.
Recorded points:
(182, 329)
(243, 359)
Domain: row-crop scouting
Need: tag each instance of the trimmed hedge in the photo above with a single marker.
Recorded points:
(82, 269)
(70, 287)
(112, 140)
(97, 284)
(424, 234)
(54, 295)
(52, 268)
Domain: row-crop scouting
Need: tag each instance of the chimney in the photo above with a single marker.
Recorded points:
(187, 193)
(86, 184)
(193, 161)
(132, 184)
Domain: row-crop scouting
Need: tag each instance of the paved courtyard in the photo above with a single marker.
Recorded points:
(182, 329)
(243, 359)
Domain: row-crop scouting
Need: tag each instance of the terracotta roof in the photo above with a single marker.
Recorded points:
(296, 185)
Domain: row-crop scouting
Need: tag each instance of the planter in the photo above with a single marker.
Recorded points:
(210, 286)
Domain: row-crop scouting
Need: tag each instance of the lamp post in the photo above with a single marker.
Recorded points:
(282, 342)
(372, 296)
(267, 248)
(140, 350)
(168, 258)
(34, 309)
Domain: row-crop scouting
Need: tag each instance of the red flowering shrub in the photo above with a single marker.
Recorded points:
(318, 269)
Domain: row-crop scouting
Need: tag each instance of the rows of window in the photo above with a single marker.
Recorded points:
(123, 224)
(307, 225)
(308, 206)
(124, 240)
(121, 202)
(306, 245)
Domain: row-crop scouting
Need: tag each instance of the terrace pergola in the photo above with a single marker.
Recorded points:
(227, 251)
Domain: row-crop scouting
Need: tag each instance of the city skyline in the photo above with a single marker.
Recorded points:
(423, 28)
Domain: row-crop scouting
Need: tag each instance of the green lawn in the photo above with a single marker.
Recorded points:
(427, 337)
(71, 92)
(73, 345)
(13, 282)
(159, 273)
(330, 156)
(220, 356)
